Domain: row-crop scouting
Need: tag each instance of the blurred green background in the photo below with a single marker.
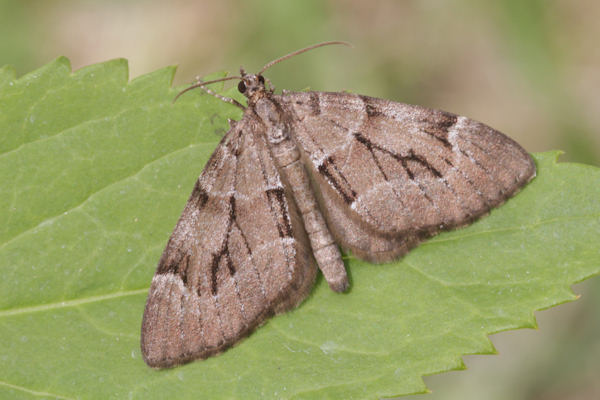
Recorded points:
(530, 68)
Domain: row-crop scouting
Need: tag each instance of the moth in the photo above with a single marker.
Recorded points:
(300, 175)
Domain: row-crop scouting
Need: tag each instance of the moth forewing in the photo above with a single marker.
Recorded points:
(391, 174)
(238, 254)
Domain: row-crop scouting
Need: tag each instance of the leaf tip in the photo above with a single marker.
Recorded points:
(62, 61)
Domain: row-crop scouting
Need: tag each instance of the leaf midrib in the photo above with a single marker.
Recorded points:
(71, 303)
(92, 299)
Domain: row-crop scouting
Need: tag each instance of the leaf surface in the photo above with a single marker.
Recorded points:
(95, 172)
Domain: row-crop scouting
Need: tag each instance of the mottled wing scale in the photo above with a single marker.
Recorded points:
(391, 174)
(227, 267)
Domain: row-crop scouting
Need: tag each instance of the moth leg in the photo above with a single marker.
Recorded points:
(325, 250)
(218, 96)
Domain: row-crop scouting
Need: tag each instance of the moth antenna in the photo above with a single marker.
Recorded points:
(199, 84)
(295, 53)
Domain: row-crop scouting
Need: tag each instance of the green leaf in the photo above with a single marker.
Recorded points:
(95, 173)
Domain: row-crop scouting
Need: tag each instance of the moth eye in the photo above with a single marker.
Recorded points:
(261, 79)
(242, 87)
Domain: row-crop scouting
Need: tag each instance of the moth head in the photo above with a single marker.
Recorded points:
(251, 85)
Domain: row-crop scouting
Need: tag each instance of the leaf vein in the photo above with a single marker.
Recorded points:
(34, 392)
(100, 190)
(71, 303)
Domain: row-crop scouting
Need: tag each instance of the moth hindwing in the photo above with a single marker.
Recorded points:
(299, 175)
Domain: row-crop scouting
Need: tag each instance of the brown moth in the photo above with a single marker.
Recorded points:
(299, 175)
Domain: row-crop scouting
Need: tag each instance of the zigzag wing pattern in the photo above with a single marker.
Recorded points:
(390, 174)
(238, 254)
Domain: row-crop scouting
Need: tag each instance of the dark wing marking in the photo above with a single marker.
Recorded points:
(400, 172)
(237, 255)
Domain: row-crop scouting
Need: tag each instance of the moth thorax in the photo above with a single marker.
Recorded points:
(268, 112)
